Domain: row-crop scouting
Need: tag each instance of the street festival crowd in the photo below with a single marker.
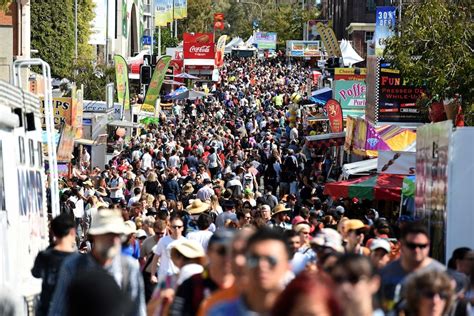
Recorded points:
(220, 210)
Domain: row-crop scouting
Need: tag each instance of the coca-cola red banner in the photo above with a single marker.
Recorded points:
(198, 46)
(334, 111)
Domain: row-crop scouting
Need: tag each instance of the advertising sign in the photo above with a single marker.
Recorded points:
(62, 109)
(161, 13)
(349, 73)
(384, 27)
(334, 112)
(396, 100)
(121, 80)
(329, 40)
(396, 162)
(220, 47)
(198, 46)
(303, 48)
(432, 157)
(266, 40)
(155, 84)
(66, 143)
(351, 95)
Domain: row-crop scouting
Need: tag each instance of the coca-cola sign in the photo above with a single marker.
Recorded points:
(198, 46)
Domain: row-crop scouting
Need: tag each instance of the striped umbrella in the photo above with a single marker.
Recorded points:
(376, 187)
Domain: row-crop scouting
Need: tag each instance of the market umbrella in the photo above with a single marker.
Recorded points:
(173, 82)
(186, 76)
(176, 93)
(378, 187)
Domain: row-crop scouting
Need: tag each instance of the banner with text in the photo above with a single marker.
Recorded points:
(384, 27)
(155, 84)
(351, 95)
(198, 46)
(266, 40)
(121, 80)
(303, 49)
(220, 47)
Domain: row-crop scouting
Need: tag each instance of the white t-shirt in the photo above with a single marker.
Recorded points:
(79, 209)
(116, 194)
(188, 271)
(146, 161)
(163, 250)
(201, 236)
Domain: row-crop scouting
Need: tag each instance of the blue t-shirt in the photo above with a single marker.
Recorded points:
(132, 250)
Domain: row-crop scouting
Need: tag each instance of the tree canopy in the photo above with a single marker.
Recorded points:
(53, 36)
(434, 48)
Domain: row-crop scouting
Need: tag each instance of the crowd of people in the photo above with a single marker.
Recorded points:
(220, 210)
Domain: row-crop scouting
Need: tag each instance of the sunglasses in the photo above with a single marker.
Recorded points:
(413, 246)
(248, 217)
(221, 251)
(253, 260)
(431, 294)
(352, 279)
(177, 226)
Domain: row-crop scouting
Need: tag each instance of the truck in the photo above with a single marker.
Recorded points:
(23, 185)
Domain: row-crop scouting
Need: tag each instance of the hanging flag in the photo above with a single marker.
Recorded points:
(170, 11)
(220, 47)
(185, 9)
(178, 9)
(161, 13)
(121, 80)
(155, 84)
(334, 112)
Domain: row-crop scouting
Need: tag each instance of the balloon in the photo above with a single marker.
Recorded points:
(120, 132)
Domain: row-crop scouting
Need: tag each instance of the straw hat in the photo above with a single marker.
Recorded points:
(88, 182)
(188, 188)
(190, 249)
(280, 208)
(101, 191)
(107, 221)
(197, 207)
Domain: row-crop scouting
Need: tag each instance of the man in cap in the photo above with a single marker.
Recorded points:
(380, 252)
(106, 231)
(326, 243)
(355, 231)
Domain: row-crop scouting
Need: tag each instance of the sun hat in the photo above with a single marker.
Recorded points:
(197, 207)
(188, 188)
(101, 191)
(189, 249)
(88, 182)
(280, 208)
(380, 243)
(107, 221)
(354, 224)
(141, 234)
(328, 238)
(130, 227)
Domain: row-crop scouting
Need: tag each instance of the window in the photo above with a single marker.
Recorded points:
(31, 152)
(40, 154)
(21, 148)
(369, 36)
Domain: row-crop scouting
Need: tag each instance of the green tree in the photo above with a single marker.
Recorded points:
(4, 5)
(94, 79)
(167, 40)
(52, 33)
(435, 49)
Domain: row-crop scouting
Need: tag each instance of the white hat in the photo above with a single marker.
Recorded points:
(107, 221)
(130, 227)
(380, 243)
(329, 238)
(141, 233)
(190, 249)
(197, 207)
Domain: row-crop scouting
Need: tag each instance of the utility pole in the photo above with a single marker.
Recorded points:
(75, 30)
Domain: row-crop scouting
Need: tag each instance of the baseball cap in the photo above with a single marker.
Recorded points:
(221, 237)
(354, 224)
(380, 243)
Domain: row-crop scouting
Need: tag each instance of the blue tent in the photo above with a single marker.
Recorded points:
(321, 96)
(176, 93)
